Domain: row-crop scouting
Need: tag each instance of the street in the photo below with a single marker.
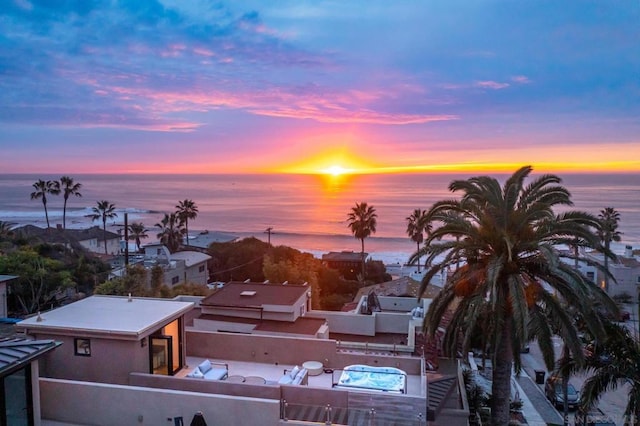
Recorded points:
(612, 403)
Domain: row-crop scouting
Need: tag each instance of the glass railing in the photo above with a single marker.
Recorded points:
(328, 415)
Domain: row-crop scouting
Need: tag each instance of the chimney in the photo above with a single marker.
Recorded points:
(628, 251)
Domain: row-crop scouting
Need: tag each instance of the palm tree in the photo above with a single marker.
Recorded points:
(610, 363)
(417, 225)
(608, 231)
(69, 187)
(104, 210)
(171, 231)
(137, 232)
(506, 238)
(187, 209)
(42, 188)
(362, 221)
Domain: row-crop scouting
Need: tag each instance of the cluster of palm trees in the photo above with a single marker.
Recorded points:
(66, 185)
(174, 226)
(171, 229)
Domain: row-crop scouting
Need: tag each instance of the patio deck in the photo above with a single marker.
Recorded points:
(273, 372)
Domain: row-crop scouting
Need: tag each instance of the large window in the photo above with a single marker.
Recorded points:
(16, 399)
(165, 349)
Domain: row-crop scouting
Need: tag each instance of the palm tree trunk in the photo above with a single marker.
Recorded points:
(362, 258)
(606, 268)
(104, 234)
(186, 228)
(418, 258)
(46, 212)
(64, 215)
(501, 377)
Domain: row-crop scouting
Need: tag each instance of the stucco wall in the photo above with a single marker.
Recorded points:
(111, 361)
(345, 322)
(282, 350)
(91, 403)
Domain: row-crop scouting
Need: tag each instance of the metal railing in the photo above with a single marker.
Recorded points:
(328, 415)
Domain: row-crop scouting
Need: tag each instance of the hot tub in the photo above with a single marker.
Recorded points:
(380, 379)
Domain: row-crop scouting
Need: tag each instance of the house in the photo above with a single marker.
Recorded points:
(260, 308)
(116, 347)
(91, 239)
(19, 373)
(348, 263)
(180, 267)
(625, 271)
(106, 338)
(4, 281)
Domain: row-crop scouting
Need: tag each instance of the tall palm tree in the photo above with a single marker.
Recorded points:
(104, 210)
(137, 232)
(187, 209)
(171, 231)
(69, 187)
(507, 237)
(42, 188)
(609, 218)
(417, 225)
(362, 221)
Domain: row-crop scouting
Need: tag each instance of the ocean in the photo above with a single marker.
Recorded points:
(306, 212)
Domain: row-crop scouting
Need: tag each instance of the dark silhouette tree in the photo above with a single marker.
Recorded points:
(608, 232)
(68, 187)
(42, 188)
(170, 231)
(417, 225)
(103, 211)
(186, 210)
(137, 232)
(362, 221)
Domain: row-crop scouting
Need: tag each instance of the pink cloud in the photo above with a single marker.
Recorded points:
(489, 84)
(522, 79)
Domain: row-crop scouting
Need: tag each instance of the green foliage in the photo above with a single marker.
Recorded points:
(238, 260)
(376, 272)
(134, 282)
(157, 280)
(41, 280)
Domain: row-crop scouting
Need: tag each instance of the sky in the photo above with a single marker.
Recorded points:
(200, 86)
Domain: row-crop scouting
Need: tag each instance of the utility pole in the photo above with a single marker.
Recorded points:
(268, 232)
(126, 239)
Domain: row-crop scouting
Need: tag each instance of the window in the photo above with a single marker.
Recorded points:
(591, 276)
(82, 347)
(16, 398)
(638, 280)
(201, 269)
(175, 280)
(158, 252)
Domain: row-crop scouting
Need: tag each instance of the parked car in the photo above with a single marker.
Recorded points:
(594, 417)
(554, 392)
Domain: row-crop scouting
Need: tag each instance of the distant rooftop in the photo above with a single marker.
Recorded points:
(107, 315)
(205, 238)
(241, 294)
(4, 278)
(190, 257)
(343, 256)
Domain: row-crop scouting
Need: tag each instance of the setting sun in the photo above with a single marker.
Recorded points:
(335, 170)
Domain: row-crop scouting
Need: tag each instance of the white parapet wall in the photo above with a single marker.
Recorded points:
(79, 403)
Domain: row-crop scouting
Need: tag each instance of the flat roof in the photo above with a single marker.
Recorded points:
(4, 278)
(301, 325)
(265, 294)
(108, 315)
